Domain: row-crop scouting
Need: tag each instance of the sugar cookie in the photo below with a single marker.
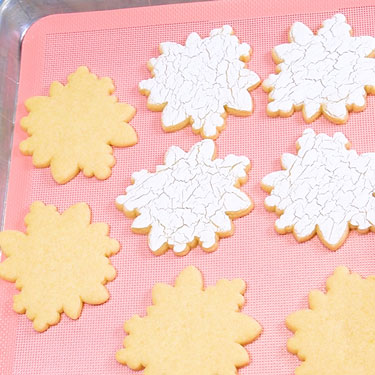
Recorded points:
(336, 335)
(191, 198)
(59, 263)
(191, 330)
(330, 72)
(201, 82)
(74, 127)
(325, 189)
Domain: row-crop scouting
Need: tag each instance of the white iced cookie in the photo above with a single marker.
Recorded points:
(330, 72)
(190, 199)
(325, 189)
(200, 82)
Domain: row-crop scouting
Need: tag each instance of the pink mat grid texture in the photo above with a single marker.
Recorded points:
(279, 272)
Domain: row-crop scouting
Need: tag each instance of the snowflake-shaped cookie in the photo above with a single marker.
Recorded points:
(59, 263)
(191, 198)
(189, 330)
(336, 335)
(74, 127)
(200, 82)
(325, 189)
(330, 72)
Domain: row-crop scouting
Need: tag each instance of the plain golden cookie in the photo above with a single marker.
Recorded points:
(74, 127)
(336, 336)
(191, 330)
(59, 263)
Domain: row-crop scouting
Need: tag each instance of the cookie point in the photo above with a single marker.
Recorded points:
(120, 356)
(37, 204)
(342, 270)
(190, 277)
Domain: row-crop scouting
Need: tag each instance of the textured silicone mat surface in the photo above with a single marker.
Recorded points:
(278, 271)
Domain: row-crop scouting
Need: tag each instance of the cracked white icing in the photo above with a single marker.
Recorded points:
(325, 188)
(330, 72)
(200, 80)
(191, 197)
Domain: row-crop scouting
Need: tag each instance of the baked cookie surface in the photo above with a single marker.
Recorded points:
(329, 73)
(190, 199)
(200, 82)
(336, 335)
(191, 330)
(326, 189)
(74, 127)
(59, 263)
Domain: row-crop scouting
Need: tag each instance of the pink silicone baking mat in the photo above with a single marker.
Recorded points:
(279, 272)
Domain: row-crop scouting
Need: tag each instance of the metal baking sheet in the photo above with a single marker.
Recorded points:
(278, 270)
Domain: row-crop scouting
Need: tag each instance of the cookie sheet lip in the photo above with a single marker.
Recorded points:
(190, 199)
(200, 82)
(326, 189)
(329, 73)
